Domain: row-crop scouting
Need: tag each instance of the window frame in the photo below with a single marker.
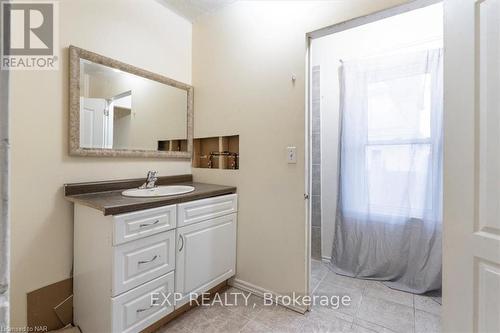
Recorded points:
(382, 211)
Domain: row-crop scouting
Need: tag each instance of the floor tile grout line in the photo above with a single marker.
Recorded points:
(365, 285)
(361, 300)
(383, 325)
(324, 277)
(231, 308)
(321, 280)
(383, 299)
(245, 325)
(436, 301)
(378, 324)
(428, 312)
(357, 311)
(243, 315)
(414, 315)
(425, 310)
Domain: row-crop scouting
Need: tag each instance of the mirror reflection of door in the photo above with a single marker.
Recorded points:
(121, 105)
(96, 123)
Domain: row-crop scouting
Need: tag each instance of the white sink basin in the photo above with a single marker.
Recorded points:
(159, 191)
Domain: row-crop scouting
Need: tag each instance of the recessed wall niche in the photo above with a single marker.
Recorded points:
(172, 145)
(218, 152)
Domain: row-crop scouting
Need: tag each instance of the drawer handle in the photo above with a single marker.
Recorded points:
(144, 309)
(147, 261)
(182, 242)
(148, 224)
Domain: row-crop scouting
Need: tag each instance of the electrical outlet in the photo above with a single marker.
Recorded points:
(291, 155)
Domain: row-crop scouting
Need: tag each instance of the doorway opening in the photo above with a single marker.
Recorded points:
(375, 167)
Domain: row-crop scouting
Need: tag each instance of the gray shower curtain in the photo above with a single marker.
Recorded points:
(389, 211)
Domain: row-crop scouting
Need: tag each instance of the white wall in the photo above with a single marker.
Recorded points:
(416, 30)
(243, 58)
(141, 33)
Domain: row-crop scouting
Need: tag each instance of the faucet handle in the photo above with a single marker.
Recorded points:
(150, 180)
(152, 174)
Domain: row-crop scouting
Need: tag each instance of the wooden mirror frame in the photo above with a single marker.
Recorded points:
(75, 54)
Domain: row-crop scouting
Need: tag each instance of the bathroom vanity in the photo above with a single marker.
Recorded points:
(127, 248)
(147, 242)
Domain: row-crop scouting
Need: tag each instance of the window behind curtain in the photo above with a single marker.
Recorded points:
(398, 151)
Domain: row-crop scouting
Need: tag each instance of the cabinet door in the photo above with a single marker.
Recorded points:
(206, 255)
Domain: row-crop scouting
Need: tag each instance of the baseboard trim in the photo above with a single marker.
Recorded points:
(259, 291)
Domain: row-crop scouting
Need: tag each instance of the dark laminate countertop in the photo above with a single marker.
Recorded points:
(112, 202)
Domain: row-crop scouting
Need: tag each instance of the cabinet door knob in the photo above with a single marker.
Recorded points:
(181, 239)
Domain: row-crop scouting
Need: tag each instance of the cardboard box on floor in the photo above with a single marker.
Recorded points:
(67, 329)
(51, 306)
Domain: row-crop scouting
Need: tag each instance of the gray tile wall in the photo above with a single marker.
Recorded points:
(316, 163)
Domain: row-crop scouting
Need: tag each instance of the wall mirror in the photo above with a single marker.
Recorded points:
(120, 110)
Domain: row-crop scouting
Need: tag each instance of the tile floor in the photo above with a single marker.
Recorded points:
(374, 308)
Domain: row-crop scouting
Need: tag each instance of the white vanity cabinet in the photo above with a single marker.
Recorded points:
(120, 260)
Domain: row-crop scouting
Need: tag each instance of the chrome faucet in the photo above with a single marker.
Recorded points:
(150, 180)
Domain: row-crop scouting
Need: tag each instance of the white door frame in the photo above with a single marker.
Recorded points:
(345, 25)
(4, 199)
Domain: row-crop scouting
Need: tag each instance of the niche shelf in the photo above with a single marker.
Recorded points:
(172, 145)
(218, 152)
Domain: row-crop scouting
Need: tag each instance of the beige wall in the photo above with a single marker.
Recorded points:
(243, 60)
(141, 33)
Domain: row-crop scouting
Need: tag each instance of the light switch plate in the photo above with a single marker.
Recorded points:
(291, 155)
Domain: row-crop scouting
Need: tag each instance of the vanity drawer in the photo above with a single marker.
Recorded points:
(204, 209)
(132, 311)
(144, 223)
(142, 260)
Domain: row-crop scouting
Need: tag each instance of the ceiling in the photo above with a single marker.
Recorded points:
(192, 9)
